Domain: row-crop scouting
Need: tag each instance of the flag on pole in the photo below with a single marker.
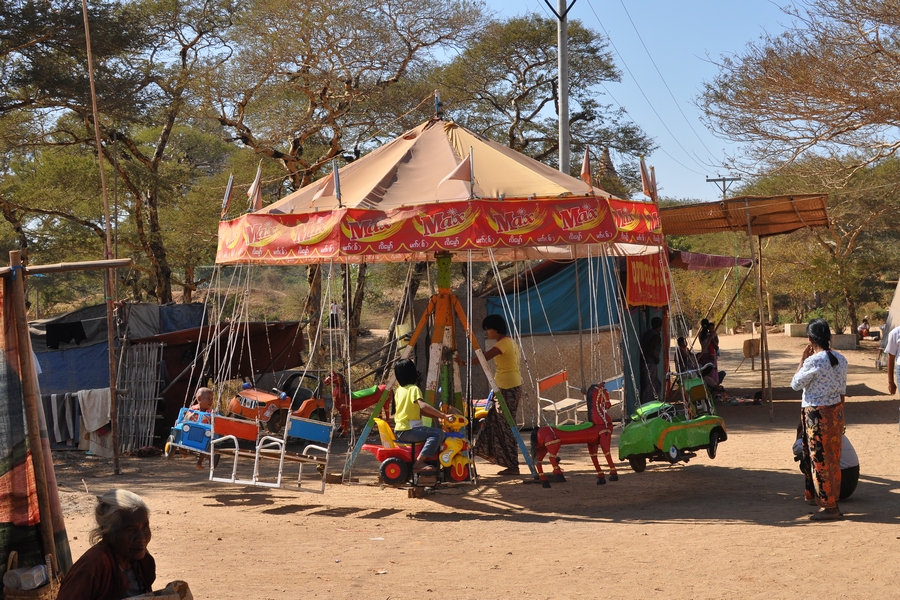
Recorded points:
(462, 171)
(326, 188)
(255, 191)
(586, 168)
(337, 181)
(647, 182)
(227, 200)
(653, 182)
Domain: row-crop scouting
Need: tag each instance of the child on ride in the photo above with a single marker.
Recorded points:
(203, 401)
(410, 406)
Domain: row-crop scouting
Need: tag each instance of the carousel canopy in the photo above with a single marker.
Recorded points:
(440, 187)
(411, 170)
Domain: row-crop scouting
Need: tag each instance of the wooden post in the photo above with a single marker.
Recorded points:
(763, 342)
(27, 374)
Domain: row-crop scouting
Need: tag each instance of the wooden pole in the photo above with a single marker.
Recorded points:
(763, 345)
(73, 266)
(764, 341)
(110, 281)
(27, 374)
(580, 330)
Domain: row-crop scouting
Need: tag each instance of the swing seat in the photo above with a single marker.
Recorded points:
(564, 410)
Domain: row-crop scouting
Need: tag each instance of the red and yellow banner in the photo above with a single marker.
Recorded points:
(647, 281)
(453, 226)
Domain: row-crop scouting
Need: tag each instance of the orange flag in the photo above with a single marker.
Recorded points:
(227, 200)
(586, 168)
(647, 182)
(326, 188)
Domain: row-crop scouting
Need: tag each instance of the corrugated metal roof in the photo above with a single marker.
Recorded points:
(771, 215)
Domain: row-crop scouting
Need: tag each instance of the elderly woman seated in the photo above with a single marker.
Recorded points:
(118, 564)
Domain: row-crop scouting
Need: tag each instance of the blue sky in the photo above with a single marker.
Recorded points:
(678, 38)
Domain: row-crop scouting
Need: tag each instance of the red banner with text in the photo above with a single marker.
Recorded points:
(453, 226)
(647, 283)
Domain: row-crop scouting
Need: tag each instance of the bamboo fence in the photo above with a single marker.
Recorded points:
(139, 382)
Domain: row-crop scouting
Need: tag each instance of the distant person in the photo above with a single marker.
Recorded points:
(891, 348)
(203, 403)
(822, 375)
(865, 332)
(685, 359)
(118, 564)
(711, 378)
(651, 348)
(709, 343)
(335, 317)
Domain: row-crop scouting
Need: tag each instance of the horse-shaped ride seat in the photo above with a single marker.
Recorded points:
(596, 433)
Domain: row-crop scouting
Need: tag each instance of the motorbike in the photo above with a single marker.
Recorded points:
(453, 462)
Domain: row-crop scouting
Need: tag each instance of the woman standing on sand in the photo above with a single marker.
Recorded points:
(822, 375)
(496, 442)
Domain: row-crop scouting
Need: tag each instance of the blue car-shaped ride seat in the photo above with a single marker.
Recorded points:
(192, 432)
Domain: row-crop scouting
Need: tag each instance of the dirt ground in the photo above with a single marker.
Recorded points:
(733, 527)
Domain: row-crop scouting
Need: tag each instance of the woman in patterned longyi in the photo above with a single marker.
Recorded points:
(822, 375)
(496, 442)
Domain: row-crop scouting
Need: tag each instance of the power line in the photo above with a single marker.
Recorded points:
(641, 90)
(665, 83)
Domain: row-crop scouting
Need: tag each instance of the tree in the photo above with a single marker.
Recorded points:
(844, 261)
(306, 89)
(827, 85)
(146, 88)
(43, 53)
(303, 89)
(504, 86)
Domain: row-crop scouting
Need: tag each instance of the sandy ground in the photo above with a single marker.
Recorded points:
(733, 527)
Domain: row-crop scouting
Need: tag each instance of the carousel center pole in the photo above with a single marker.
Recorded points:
(440, 369)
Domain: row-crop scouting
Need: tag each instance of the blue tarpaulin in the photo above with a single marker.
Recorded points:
(74, 369)
(556, 296)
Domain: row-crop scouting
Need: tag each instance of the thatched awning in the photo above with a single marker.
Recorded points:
(772, 215)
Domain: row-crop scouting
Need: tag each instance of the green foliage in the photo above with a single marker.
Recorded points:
(504, 86)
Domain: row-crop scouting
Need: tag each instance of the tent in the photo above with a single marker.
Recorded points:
(440, 190)
(753, 215)
(72, 348)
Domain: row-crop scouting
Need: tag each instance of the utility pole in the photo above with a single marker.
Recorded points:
(723, 182)
(562, 52)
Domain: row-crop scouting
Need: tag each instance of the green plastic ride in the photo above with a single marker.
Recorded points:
(673, 432)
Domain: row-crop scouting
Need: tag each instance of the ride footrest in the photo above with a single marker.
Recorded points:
(426, 480)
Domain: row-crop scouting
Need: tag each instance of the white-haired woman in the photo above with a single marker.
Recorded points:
(118, 564)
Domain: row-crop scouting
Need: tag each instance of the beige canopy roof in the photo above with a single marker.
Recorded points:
(772, 215)
(409, 171)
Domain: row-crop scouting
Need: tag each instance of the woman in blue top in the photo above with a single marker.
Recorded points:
(822, 375)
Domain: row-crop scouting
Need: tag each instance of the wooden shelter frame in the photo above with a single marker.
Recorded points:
(17, 272)
(759, 216)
